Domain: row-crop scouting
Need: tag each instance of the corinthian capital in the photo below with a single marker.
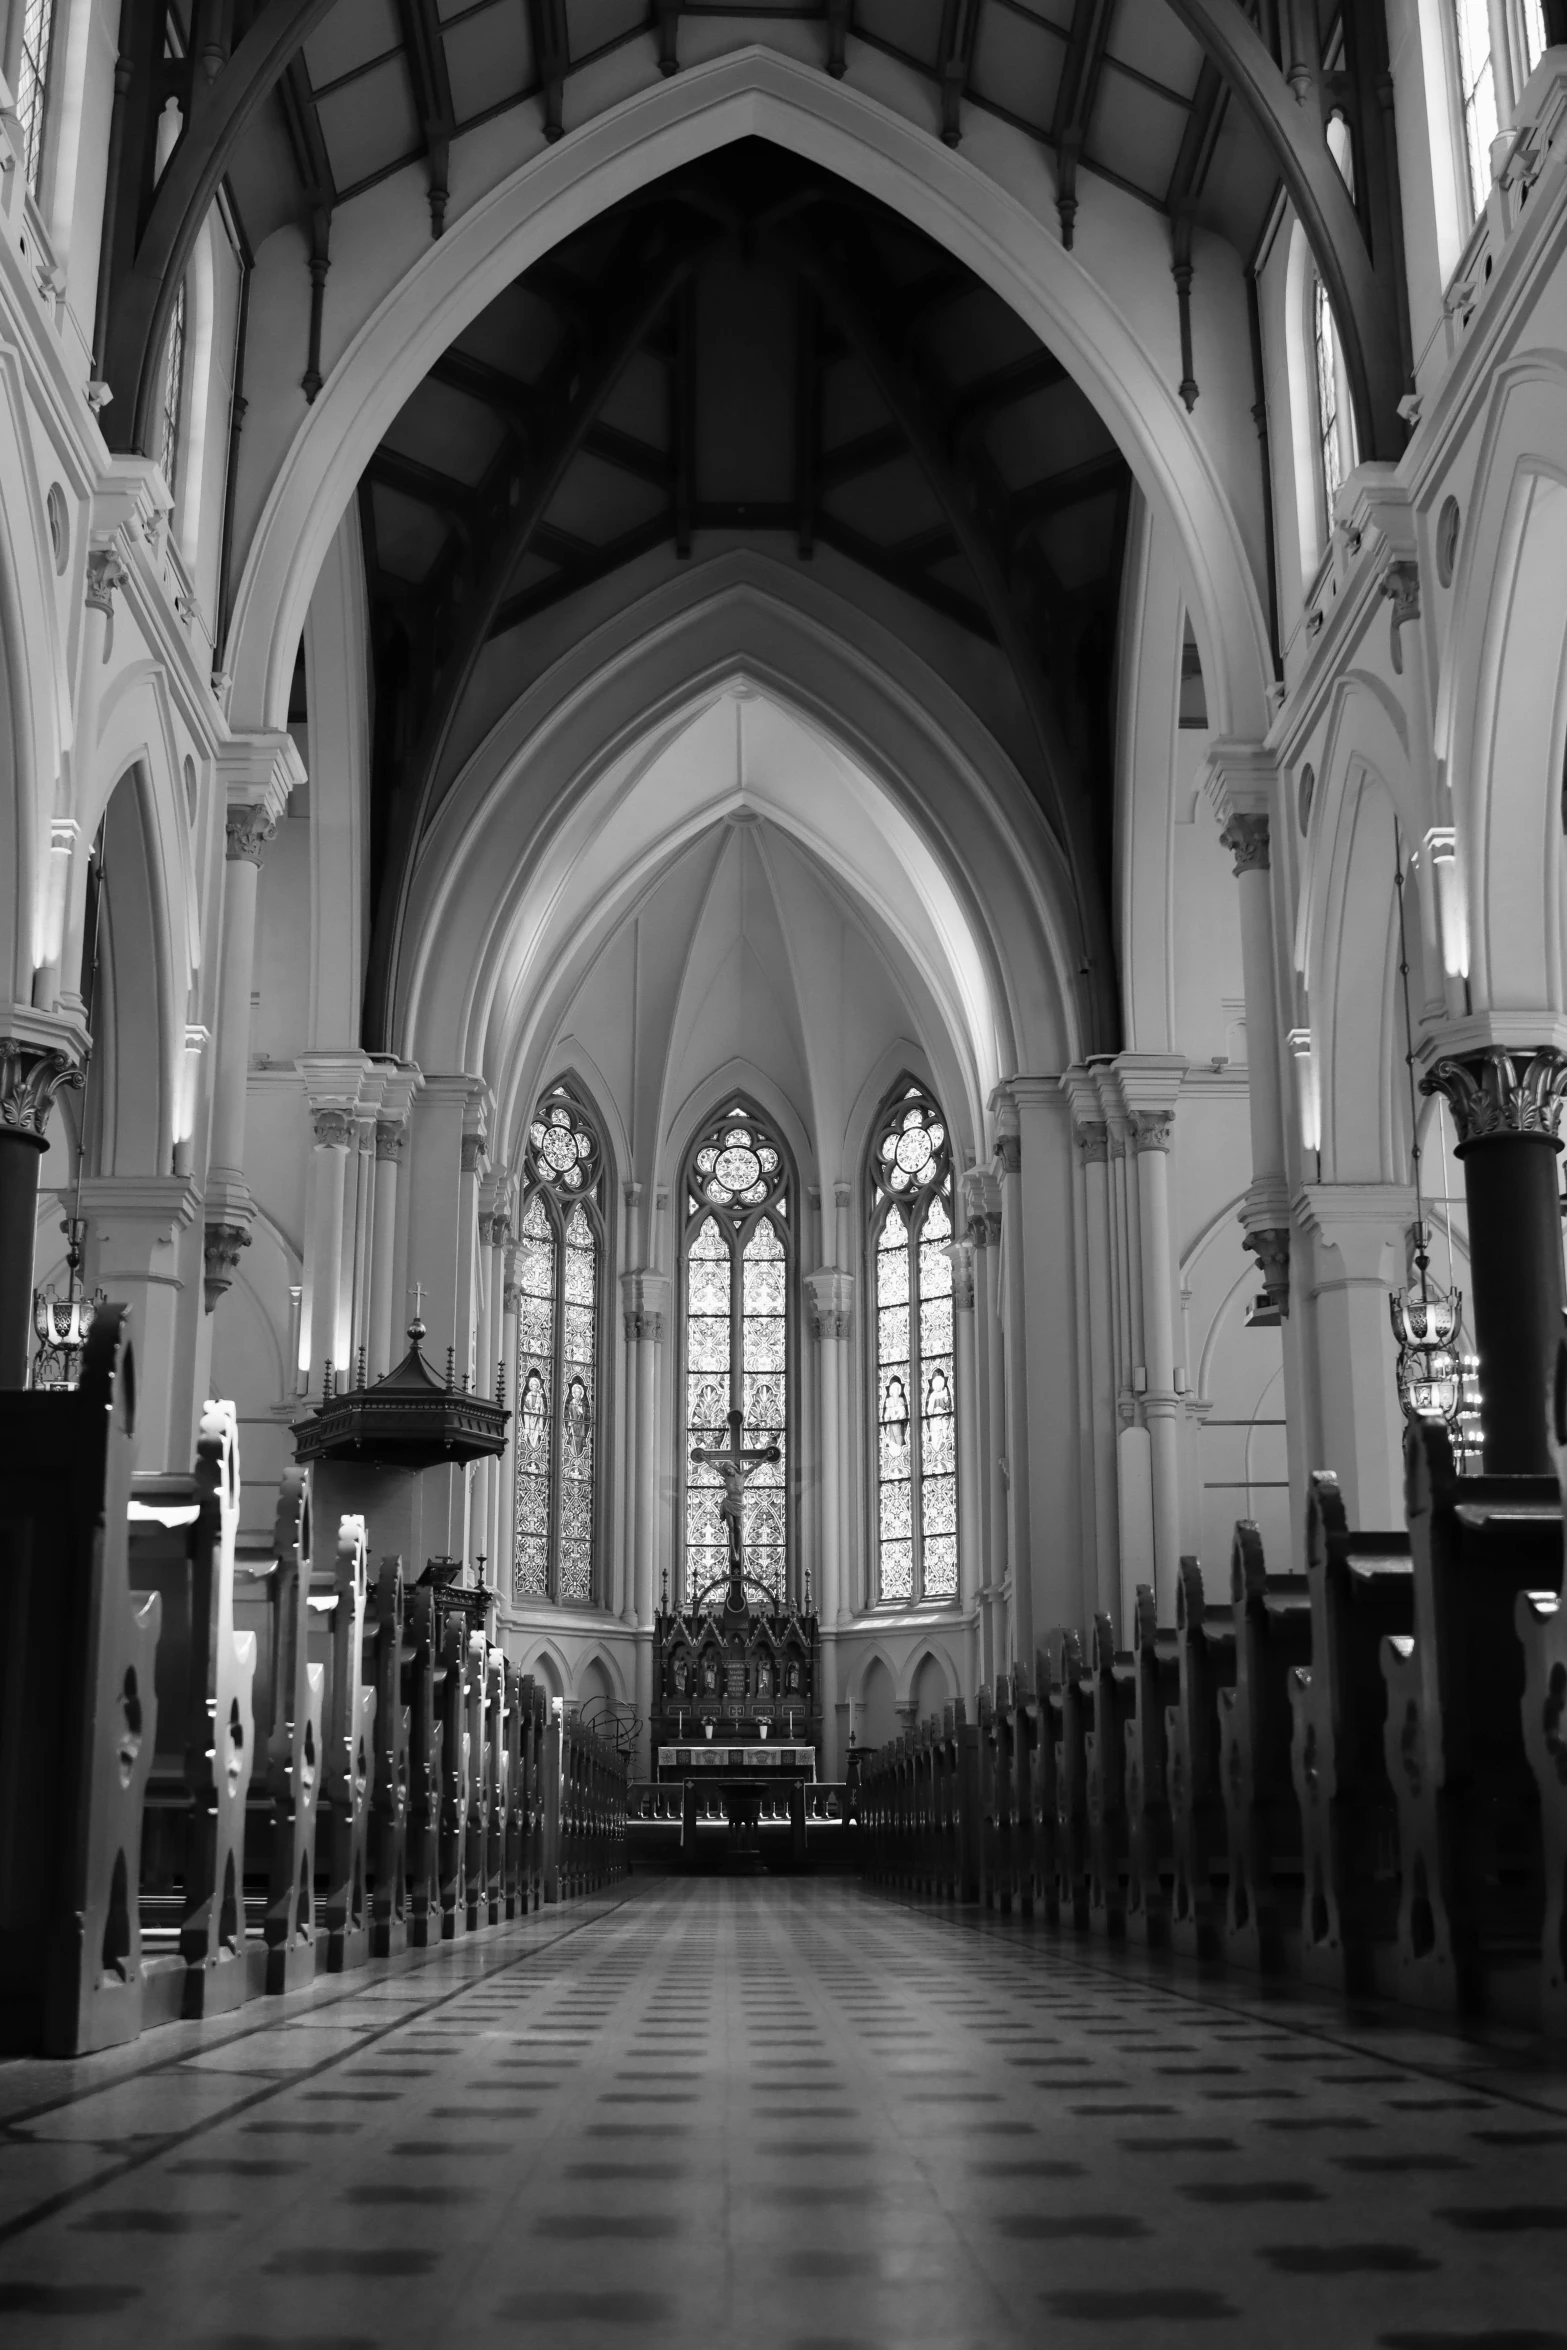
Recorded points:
(1246, 837)
(105, 573)
(1152, 1129)
(1500, 1091)
(333, 1129)
(247, 830)
(30, 1077)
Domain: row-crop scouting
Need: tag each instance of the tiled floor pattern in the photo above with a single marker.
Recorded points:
(792, 2116)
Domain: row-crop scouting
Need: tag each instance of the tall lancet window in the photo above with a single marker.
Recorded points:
(739, 1340)
(560, 1307)
(916, 1381)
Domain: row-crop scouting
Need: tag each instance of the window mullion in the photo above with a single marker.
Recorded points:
(558, 1433)
(916, 1522)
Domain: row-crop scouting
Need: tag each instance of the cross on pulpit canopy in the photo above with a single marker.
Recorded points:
(736, 1465)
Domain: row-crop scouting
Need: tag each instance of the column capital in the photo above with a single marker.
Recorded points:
(256, 772)
(961, 1253)
(1270, 1245)
(644, 1301)
(474, 1161)
(222, 1243)
(248, 826)
(1009, 1128)
(979, 1190)
(1497, 1090)
(829, 1295)
(333, 1129)
(1152, 1130)
(33, 1069)
(1246, 837)
(390, 1138)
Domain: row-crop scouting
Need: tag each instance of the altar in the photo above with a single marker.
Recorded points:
(736, 1713)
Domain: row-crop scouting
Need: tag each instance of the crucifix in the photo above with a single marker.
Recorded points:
(736, 1465)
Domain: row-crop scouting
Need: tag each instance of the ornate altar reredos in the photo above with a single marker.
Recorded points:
(749, 1669)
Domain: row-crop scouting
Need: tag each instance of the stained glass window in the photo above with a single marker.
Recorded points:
(173, 394)
(1477, 82)
(916, 1377)
(738, 1346)
(32, 83)
(560, 1304)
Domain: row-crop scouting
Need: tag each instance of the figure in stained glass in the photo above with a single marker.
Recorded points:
(895, 1411)
(533, 1416)
(577, 1421)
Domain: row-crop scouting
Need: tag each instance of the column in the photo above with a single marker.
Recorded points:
(645, 1303)
(136, 1227)
(1151, 1130)
(1266, 1214)
(970, 1565)
(830, 1296)
(505, 1506)
(983, 1201)
(1359, 1235)
(390, 1312)
(499, 1371)
(1009, 1156)
(355, 1308)
(1506, 1104)
(1093, 1149)
(34, 1065)
(255, 773)
(332, 1084)
(228, 1207)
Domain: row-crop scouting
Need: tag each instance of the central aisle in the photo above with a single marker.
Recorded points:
(785, 2115)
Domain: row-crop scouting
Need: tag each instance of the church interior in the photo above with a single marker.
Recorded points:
(783, 1401)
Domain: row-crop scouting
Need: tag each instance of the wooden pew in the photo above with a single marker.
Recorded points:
(1150, 1834)
(452, 1707)
(1046, 1793)
(476, 1829)
(1114, 1681)
(390, 1785)
(183, 1535)
(1025, 1832)
(421, 1682)
(1472, 1913)
(294, 1747)
(496, 1796)
(78, 1719)
(348, 1779)
(1272, 1619)
(1205, 1653)
(1542, 1634)
(1076, 1719)
(514, 1871)
(1361, 1588)
(534, 1717)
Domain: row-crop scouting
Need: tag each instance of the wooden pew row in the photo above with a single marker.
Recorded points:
(1357, 1773)
(218, 1782)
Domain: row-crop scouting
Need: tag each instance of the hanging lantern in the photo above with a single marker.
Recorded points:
(62, 1323)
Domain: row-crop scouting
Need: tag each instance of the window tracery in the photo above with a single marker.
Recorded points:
(560, 1305)
(32, 84)
(739, 1320)
(916, 1387)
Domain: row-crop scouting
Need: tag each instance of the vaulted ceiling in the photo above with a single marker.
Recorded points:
(751, 350)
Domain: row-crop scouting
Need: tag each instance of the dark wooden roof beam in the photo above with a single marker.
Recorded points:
(1076, 93)
(551, 59)
(425, 53)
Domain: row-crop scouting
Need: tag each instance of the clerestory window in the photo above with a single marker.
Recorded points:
(32, 83)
